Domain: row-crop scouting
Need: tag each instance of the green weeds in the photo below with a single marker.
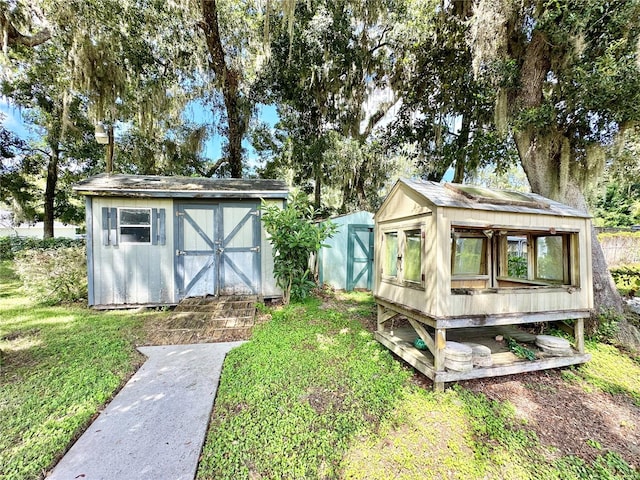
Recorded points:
(291, 401)
(611, 371)
(59, 365)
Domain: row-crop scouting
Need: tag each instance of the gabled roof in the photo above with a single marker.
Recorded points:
(479, 198)
(116, 185)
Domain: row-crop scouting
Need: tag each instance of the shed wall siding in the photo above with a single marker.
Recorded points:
(333, 259)
(507, 301)
(131, 273)
(412, 296)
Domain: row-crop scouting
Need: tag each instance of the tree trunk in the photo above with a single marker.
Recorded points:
(547, 159)
(317, 187)
(50, 193)
(229, 81)
(461, 156)
(236, 126)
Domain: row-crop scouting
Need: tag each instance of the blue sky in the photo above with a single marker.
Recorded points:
(13, 119)
(196, 112)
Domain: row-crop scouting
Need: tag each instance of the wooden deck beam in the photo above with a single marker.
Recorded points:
(426, 365)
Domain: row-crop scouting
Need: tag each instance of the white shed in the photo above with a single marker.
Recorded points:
(155, 240)
(456, 259)
(346, 262)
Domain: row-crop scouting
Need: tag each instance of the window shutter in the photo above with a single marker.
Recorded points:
(105, 226)
(158, 223)
(154, 226)
(109, 226)
(162, 221)
(113, 228)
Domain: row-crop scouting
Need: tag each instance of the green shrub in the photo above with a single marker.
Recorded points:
(294, 237)
(53, 275)
(607, 326)
(10, 246)
(627, 278)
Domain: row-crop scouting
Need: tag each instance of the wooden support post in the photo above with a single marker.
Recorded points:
(438, 356)
(578, 332)
(384, 315)
(424, 335)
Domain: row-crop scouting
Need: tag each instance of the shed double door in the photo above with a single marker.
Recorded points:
(218, 249)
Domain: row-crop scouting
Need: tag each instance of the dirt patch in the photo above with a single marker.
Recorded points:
(322, 399)
(567, 417)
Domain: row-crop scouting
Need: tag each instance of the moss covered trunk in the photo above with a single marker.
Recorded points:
(549, 160)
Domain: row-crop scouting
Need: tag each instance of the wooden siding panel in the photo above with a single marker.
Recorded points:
(129, 273)
(402, 202)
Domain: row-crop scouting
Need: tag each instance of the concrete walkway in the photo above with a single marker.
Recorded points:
(155, 427)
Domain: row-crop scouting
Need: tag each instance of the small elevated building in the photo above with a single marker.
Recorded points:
(155, 240)
(470, 264)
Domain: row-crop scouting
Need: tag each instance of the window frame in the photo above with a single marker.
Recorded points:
(386, 261)
(401, 234)
(484, 254)
(566, 260)
(122, 225)
(421, 275)
(497, 258)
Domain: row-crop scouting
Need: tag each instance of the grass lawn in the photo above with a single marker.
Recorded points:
(314, 396)
(59, 366)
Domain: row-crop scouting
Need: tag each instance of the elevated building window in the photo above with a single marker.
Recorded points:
(390, 267)
(499, 258)
(413, 256)
(402, 257)
(470, 255)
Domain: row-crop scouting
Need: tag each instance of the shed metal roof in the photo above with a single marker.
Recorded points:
(480, 198)
(154, 186)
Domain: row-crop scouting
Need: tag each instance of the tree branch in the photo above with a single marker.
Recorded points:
(209, 172)
(13, 37)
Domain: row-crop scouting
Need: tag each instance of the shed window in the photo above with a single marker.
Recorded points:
(551, 261)
(390, 267)
(413, 256)
(135, 225)
(513, 259)
(470, 257)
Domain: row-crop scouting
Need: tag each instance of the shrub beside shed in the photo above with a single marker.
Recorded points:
(155, 240)
(466, 263)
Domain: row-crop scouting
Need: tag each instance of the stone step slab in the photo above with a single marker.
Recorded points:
(458, 352)
(481, 354)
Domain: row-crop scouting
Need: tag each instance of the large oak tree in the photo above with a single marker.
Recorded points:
(568, 82)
